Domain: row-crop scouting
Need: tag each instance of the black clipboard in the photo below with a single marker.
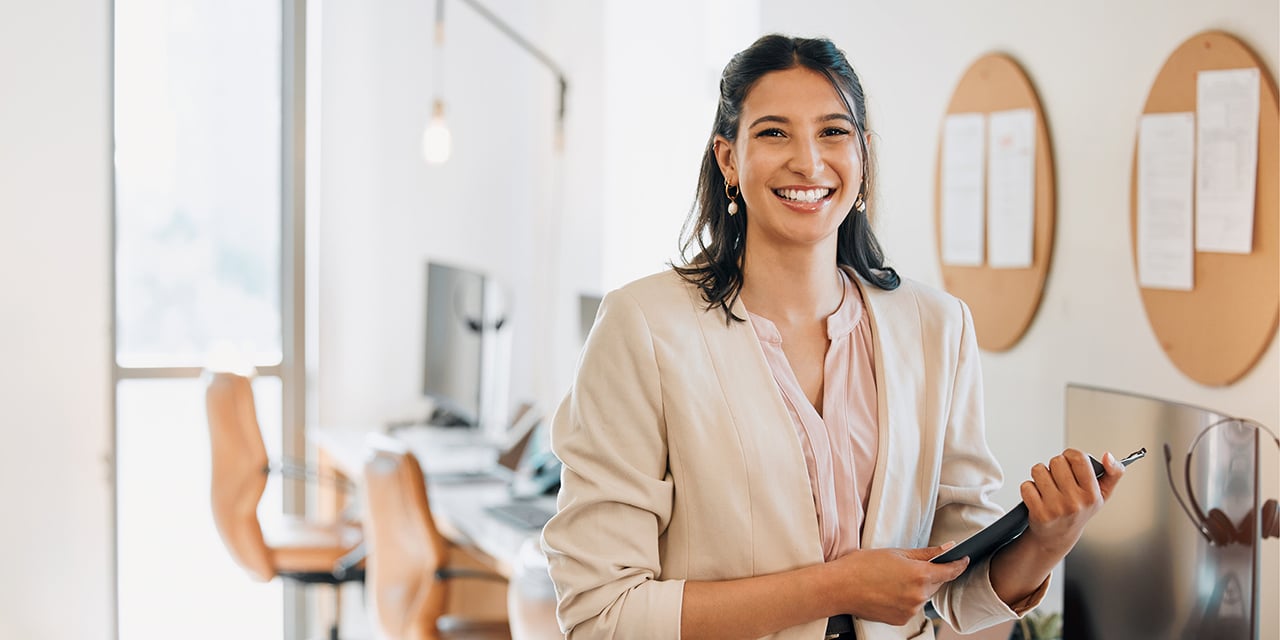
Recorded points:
(1010, 525)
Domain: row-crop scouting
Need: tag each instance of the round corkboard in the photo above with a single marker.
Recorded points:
(1217, 331)
(1003, 301)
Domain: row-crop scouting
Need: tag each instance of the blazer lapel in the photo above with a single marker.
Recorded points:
(758, 413)
(895, 506)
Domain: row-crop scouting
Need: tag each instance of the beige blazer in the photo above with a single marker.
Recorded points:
(681, 462)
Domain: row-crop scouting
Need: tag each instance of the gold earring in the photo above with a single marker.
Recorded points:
(733, 198)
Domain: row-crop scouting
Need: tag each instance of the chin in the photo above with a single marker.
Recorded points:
(805, 237)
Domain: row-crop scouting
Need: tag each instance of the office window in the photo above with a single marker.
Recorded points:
(175, 578)
(199, 116)
(198, 121)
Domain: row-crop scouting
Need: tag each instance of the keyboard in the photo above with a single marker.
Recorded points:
(470, 477)
(521, 514)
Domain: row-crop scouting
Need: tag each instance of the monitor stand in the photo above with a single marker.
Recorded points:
(441, 417)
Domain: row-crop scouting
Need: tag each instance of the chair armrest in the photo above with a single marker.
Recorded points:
(349, 561)
(293, 469)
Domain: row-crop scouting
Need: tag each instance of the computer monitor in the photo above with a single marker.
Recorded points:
(1144, 568)
(456, 319)
(588, 305)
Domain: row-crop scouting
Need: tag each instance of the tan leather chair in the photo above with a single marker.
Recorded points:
(292, 548)
(409, 559)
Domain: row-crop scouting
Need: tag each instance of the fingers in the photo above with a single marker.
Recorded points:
(927, 553)
(1031, 495)
(1072, 478)
(950, 571)
(938, 573)
(1081, 469)
(1063, 476)
(1043, 478)
(1107, 483)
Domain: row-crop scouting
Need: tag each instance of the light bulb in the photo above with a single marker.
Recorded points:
(437, 142)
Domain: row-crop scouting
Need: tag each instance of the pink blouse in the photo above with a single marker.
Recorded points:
(840, 445)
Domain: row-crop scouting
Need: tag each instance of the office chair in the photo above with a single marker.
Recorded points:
(409, 559)
(294, 549)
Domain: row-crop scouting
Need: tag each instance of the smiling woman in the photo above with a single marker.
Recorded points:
(777, 437)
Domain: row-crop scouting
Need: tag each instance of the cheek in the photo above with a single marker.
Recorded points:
(754, 174)
(850, 168)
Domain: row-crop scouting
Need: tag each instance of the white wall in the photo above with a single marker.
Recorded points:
(1092, 63)
(384, 212)
(574, 36)
(55, 383)
(663, 63)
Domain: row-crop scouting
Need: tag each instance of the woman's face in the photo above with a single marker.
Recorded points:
(796, 159)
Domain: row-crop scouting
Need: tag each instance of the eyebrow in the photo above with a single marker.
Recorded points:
(781, 120)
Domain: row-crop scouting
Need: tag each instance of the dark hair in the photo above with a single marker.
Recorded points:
(720, 238)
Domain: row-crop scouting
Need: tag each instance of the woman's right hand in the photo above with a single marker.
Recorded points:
(892, 585)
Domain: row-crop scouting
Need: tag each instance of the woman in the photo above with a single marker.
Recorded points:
(783, 431)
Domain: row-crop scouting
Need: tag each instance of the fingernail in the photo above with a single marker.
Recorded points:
(948, 544)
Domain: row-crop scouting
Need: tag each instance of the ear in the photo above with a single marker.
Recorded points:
(865, 153)
(727, 159)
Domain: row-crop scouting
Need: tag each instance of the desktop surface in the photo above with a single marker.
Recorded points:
(523, 514)
(468, 490)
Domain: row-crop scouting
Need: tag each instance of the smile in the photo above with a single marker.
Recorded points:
(807, 196)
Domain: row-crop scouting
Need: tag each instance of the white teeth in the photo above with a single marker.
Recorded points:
(803, 195)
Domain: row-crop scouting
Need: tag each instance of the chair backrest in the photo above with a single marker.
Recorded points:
(239, 472)
(405, 547)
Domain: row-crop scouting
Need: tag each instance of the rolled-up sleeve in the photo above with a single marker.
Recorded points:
(969, 475)
(616, 491)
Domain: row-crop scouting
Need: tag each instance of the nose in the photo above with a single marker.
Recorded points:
(806, 158)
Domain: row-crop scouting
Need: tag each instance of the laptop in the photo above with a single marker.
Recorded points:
(535, 478)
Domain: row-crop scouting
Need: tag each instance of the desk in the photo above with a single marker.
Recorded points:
(457, 505)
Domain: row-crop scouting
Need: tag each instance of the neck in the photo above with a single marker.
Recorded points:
(791, 284)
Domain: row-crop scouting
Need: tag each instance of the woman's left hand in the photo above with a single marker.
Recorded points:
(1062, 496)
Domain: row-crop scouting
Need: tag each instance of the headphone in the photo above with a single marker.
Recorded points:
(477, 324)
(1216, 527)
